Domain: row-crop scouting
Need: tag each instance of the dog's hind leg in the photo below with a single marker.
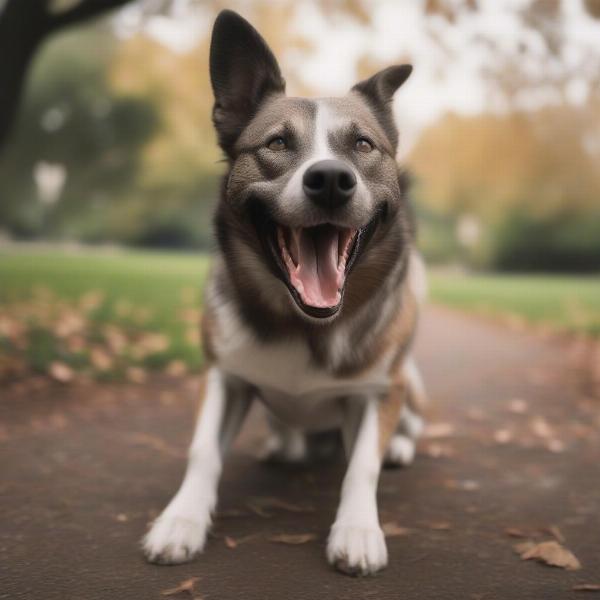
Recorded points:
(179, 533)
(285, 444)
(401, 449)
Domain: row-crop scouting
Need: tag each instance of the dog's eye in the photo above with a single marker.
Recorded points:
(363, 145)
(276, 144)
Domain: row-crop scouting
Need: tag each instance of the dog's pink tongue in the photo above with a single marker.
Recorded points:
(316, 276)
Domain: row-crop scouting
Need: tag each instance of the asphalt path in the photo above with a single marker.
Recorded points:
(512, 455)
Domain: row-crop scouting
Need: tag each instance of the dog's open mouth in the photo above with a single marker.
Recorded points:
(313, 262)
(316, 261)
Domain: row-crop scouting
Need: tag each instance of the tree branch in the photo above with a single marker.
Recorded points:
(24, 24)
(86, 9)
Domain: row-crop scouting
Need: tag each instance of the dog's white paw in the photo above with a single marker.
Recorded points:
(175, 539)
(284, 449)
(357, 549)
(400, 452)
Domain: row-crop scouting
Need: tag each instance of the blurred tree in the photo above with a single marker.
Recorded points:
(24, 24)
(538, 168)
(72, 124)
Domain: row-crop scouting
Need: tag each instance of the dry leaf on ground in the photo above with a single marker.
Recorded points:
(258, 510)
(266, 502)
(231, 512)
(185, 586)
(518, 406)
(587, 587)
(392, 529)
(100, 359)
(155, 443)
(516, 532)
(293, 538)
(61, 372)
(136, 375)
(503, 436)
(176, 368)
(232, 543)
(556, 533)
(550, 553)
(541, 428)
(439, 430)
(435, 450)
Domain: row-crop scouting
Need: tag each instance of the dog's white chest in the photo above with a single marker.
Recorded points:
(288, 380)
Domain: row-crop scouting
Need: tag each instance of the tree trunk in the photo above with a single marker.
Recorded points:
(24, 24)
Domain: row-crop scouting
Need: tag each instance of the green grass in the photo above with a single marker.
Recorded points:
(145, 294)
(565, 303)
(138, 292)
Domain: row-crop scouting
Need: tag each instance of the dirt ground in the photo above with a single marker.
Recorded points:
(513, 454)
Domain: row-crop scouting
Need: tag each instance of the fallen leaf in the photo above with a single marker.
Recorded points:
(524, 547)
(91, 300)
(231, 512)
(392, 529)
(556, 446)
(587, 587)
(61, 372)
(550, 553)
(503, 436)
(541, 428)
(439, 430)
(100, 359)
(469, 485)
(176, 368)
(518, 406)
(136, 374)
(435, 450)
(516, 532)
(185, 586)
(257, 510)
(266, 502)
(555, 532)
(293, 538)
(233, 543)
(155, 443)
(69, 323)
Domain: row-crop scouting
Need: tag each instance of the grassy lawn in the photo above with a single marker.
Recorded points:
(107, 314)
(121, 314)
(565, 303)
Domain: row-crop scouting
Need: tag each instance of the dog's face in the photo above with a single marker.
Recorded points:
(313, 196)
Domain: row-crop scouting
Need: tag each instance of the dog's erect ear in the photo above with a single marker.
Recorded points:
(243, 72)
(381, 87)
(379, 90)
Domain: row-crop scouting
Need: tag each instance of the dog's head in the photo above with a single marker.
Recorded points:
(312, 216)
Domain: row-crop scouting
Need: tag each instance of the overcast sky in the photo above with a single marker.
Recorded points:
(448, 73)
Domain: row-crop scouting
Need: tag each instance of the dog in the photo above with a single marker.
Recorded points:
(314, 296)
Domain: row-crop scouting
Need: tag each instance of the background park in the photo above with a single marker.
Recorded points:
(109, 174)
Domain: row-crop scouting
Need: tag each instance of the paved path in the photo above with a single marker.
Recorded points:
(515, 446)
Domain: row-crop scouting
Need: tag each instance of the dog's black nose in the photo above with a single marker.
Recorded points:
(329, 183)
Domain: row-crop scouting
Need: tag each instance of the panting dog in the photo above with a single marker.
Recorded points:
(313, 300)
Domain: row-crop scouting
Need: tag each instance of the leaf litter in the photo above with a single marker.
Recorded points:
(586, 587)
(392, 529)
(186, 586)
(261, 505)
(550, 553)
(293, 539)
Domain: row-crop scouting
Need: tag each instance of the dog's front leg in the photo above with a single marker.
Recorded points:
(179, 533)
(356, 543)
